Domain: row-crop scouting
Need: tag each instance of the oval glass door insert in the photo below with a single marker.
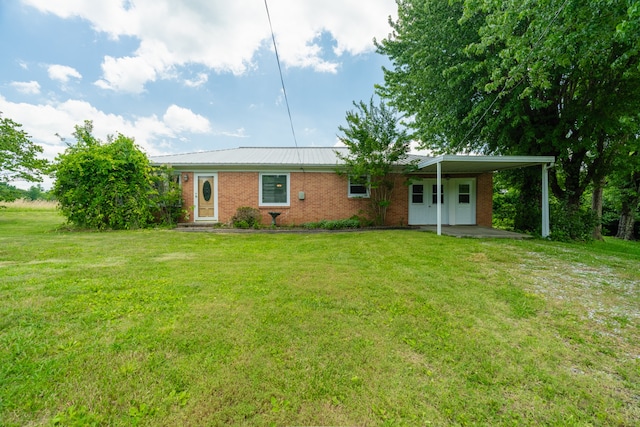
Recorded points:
(206, 191)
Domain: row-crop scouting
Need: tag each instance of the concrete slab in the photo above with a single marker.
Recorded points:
(474, 231)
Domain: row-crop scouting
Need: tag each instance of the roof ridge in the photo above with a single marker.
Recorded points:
(286, 148)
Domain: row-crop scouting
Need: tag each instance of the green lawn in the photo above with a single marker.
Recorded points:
(358, 328)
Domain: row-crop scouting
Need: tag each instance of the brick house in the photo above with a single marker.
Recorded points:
(304, 186)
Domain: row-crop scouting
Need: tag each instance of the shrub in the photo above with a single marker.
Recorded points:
(167, 200)
(338, 224)
(104, 185)
(246, 217)
(567, 225)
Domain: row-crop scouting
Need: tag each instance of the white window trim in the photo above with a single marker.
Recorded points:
(359, 196)
(288, 202)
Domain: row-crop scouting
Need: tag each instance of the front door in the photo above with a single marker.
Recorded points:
(206, 198)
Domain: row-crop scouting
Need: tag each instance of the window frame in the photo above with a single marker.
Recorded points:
(288, 189)
(367, 187)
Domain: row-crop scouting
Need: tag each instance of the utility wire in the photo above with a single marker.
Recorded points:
(284, 90)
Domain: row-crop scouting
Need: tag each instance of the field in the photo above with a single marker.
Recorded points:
(159, 327)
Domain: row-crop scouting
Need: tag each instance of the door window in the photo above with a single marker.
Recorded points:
(417, 193)
(464, 193)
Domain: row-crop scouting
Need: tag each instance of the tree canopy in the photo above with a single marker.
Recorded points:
(18, 155)
(520, 77)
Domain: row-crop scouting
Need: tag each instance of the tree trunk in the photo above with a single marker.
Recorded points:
(626, 224)
(630, 203)
(596, 206)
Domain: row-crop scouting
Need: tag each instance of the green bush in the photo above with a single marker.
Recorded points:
(568, 225)
(247, 217)
(167, 199)
(338, 224)
(112, 185)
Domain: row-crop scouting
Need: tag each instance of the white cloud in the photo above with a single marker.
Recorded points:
(185, 120)
(238, 133)
(43, 121)
(224, 35)
(28, 88)
(200, 79)
(128, 74)
(62, 73)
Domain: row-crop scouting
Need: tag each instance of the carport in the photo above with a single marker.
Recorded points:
(448, 164)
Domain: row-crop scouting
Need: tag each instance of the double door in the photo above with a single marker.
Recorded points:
(457, 199)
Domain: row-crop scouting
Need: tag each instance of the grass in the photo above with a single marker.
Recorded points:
(159, 327)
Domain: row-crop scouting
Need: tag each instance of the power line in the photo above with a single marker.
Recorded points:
(284, 90)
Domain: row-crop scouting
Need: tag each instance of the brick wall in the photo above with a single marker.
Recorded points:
(187, 194)
(484, 199)
(325, 198)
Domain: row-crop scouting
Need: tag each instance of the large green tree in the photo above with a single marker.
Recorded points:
(377, 144)
(18, 156)
(520, 77)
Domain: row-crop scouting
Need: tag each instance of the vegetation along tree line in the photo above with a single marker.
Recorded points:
(513, 77)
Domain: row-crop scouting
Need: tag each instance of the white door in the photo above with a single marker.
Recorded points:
(463, 200)
(418, 203)
(432, 201)
(206, 197)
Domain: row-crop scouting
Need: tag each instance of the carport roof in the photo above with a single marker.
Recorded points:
(452, 164)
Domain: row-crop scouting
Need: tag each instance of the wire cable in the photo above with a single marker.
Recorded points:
(284, 90)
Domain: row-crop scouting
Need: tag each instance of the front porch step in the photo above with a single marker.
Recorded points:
(196, 224)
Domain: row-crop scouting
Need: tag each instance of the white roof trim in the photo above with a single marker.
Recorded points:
(456, 163)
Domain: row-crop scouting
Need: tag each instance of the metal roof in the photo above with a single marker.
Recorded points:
(321, 157)
(326, 157)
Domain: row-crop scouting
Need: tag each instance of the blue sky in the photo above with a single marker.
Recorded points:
(190, 75)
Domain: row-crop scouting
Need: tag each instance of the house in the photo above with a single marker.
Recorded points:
(303, 185)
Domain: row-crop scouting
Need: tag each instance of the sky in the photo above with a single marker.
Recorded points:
(190, 75)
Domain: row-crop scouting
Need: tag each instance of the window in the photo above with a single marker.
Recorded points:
(417, 194)
(358, 186)
(274, 189)
(464, 193)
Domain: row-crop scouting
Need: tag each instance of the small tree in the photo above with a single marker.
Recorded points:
(376, 145)
(18, 156)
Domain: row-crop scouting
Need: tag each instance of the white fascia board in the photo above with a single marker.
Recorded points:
(521, 160)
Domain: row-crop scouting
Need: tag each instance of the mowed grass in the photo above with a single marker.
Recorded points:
(358, 328)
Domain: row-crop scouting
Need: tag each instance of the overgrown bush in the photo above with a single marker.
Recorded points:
(247, 217)
(568, 225)
(167, 199)
(112, 185)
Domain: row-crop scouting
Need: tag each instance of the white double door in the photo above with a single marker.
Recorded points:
(457, 197)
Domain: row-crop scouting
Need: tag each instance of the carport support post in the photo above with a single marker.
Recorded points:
(545, 200)
(439, 195)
